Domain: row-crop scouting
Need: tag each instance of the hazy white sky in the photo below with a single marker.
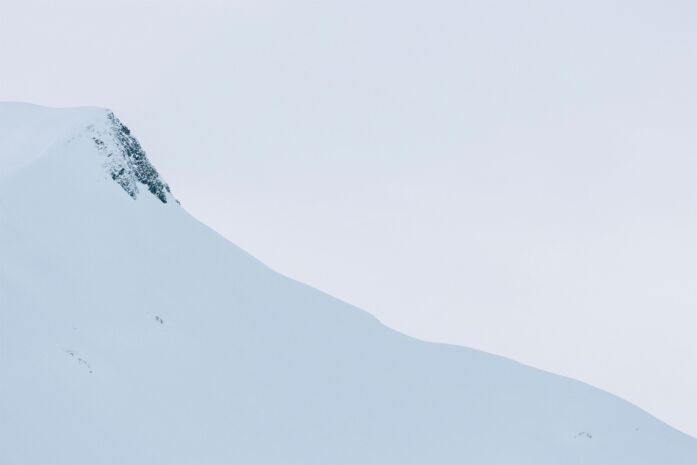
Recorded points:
(518, 177)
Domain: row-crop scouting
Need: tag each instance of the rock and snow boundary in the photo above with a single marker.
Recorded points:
(250, 367)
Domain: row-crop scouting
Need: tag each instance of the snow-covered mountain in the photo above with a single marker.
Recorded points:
(130, 333)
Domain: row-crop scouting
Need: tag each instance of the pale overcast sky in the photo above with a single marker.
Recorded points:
(518, 177)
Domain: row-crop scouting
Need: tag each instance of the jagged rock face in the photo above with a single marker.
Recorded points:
(126, 161)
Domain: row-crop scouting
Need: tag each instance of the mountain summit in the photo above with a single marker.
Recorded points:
(28, 132)
(130, 333)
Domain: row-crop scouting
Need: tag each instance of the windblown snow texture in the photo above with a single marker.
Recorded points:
(130, 333)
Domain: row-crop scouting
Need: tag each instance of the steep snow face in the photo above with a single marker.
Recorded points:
(28, 132)
(130, 333)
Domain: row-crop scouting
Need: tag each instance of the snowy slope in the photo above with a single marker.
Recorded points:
(130, 333)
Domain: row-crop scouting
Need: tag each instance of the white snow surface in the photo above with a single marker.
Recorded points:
(130, 333)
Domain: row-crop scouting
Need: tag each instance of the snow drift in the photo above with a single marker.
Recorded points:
(130, 333)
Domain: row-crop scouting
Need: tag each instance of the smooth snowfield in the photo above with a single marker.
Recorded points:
(130, 333)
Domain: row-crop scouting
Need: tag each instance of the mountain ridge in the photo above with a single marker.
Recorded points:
(124, 158)
(165, 343)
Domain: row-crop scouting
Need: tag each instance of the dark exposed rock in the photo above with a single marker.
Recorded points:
(132, 167)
